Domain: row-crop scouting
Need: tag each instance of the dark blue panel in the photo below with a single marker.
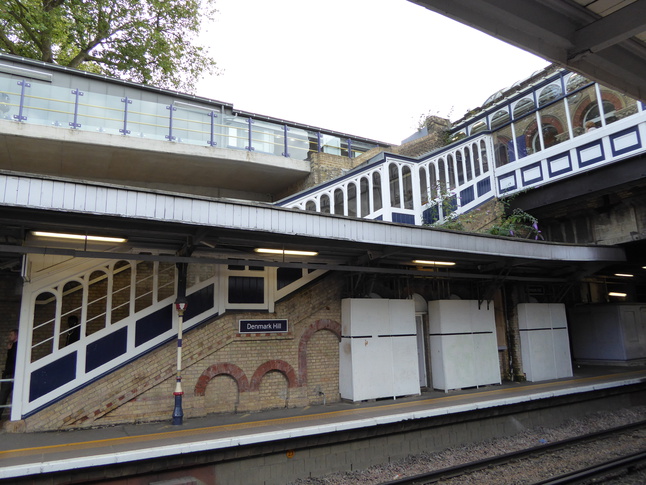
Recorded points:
(484, 186)
(200, 301)
(105, 349)
(52, 376)
(153, 325)
(245, 289)
(403, 218)
(431, 215)
(379, 218)
(467, 195)
(592, 160)
(634, 146)
(450, 205)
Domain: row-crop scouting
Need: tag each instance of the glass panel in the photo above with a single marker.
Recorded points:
(408, 187)
(423, 185)
(360, 147)
(101, 113)
(310, 205)
(198, 273)
(549, 94)
(298, 143)
(467, 163)
(457, 136)
(483, 154)
(331, 144)
(243, 289)
(434, 182)
(49, 105)
(165, 280)
(395, 196)
(460, 165)
(376, 191)
(352, 200)
(478, 127)
(42, 336)
(500, 118)
(149, 120)
(523, 107)
(338, 202)
(450, 164)
(144, 278)
(267, 137)
(192, 124)
(476, 159)
(237, 132)
(97, 304)
(554, 125)
(575, 81)
(443, 184)
(325, 204)
(120, 291)
(365, 197)
(9, 98)
(503, 146)
(526, 129)
(583, 107)
(616, 105)
(71, 306)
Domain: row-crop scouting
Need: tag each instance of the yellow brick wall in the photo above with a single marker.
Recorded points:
(143, 390)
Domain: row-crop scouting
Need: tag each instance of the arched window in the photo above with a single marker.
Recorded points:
(434, 182)
(71, 308)
(476, 159)
(144, 277)
(376, 191)
(339, 207)
(523, 107)
(478, 127)
(352, 200)
(443, 183)
(460, 168)
(407, 183)
(450, 164)
(483, 154)
(310, 205)
(395, 196)
(467, 163)
(325, 204)
(365, 196)
(166, 280)
(576, 81)
(549, 94)
(42, 333)
(593, 114)
(500, 118)
(97, 305)
(423, 186)
(121, 284)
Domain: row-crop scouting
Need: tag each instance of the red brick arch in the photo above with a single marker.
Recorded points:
(273, 365)
(330, 325)
(220, 369)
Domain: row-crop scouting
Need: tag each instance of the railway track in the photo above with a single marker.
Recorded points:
(614, 466)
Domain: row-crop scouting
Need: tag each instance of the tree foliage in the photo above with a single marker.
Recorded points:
(145, 41)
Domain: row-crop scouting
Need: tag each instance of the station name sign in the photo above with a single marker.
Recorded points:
(278, 325)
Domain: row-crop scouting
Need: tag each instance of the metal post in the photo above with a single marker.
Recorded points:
(180, 306)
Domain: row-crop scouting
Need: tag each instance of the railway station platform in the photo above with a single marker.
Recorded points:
(278, 445)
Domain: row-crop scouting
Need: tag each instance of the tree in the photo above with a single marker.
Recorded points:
(145, 41)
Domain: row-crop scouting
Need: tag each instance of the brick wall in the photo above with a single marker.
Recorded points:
(223, 370)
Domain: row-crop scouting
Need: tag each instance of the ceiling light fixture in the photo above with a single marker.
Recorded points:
(78, 237)
(624, 275)
(433, 263)
(287, 252)
(616, 293)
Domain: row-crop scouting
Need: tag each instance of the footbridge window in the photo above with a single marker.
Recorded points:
(395, 193)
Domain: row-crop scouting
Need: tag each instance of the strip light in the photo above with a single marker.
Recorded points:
(78, 237)
(288, 252)
(616, 293)
(433, 263)
(624, 275)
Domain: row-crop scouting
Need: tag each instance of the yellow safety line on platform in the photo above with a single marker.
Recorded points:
(309, 417)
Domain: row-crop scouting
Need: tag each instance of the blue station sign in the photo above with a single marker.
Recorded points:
(277, 325)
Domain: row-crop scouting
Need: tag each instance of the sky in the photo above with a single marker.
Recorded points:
(368, 68)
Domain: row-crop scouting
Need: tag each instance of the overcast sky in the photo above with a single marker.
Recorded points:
(368, 68)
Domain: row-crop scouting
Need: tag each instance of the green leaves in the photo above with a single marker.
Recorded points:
(149, 41)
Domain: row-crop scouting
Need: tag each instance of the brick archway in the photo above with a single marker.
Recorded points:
(220, 369)
(271, 365)
(330, 325)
